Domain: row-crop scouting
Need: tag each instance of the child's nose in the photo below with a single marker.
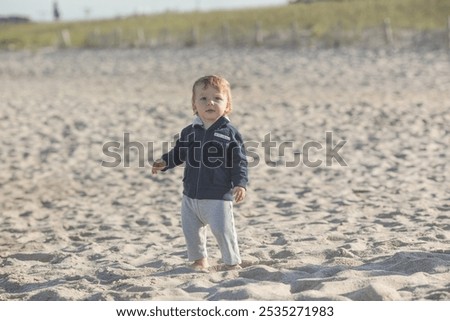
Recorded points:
(211, 102)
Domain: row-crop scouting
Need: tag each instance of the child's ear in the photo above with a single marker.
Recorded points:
(194, 109)
(228, 109)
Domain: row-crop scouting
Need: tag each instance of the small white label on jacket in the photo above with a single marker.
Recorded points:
(222, 136)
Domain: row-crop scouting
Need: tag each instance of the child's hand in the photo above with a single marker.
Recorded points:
(239, 193)
(158, 165)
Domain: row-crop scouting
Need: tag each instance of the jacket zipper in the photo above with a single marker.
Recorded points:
(201, 159)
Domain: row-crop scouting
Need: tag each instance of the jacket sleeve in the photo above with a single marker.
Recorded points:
(239, 169)
(177, 155)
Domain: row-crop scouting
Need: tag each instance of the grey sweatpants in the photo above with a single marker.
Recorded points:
(218, 214)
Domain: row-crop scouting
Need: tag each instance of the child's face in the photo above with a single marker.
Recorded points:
(209, 103)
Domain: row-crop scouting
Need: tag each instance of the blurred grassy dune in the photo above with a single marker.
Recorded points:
(332, 22)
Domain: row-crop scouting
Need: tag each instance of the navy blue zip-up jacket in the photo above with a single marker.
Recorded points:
(214, 159)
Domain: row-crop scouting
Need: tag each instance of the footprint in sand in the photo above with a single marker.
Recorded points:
(40, 257)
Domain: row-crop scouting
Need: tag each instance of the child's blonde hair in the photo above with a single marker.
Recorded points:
(216, 82)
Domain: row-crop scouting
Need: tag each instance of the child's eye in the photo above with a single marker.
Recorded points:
(219, 98)
(202, 98)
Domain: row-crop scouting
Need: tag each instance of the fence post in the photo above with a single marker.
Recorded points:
(338, 35)
(164, 37)
(97, 38)
(448, 31)
(389, 36)
(195, 36)
(140, 42)
(226, 34)
(65, 39)
(295, 33)
(259, 37)
(117, 41)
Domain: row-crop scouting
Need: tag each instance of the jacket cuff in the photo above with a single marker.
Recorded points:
(241, 183)
(166, 159)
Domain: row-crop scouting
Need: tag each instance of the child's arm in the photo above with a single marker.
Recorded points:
(174, 157)
(239, 171)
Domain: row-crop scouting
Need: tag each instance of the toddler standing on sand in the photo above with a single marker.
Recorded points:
(215, 171)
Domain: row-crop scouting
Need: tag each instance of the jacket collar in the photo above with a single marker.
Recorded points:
(221, 121)
(197, 122)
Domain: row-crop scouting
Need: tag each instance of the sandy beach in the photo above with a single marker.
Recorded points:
(375, 226)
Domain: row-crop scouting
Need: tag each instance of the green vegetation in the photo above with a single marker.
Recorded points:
(318, 20)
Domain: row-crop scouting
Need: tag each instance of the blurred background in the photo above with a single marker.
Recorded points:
(300, 23)
(42, 10)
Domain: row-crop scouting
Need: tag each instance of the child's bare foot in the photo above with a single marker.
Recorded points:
(232, 267)
(200, 265)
